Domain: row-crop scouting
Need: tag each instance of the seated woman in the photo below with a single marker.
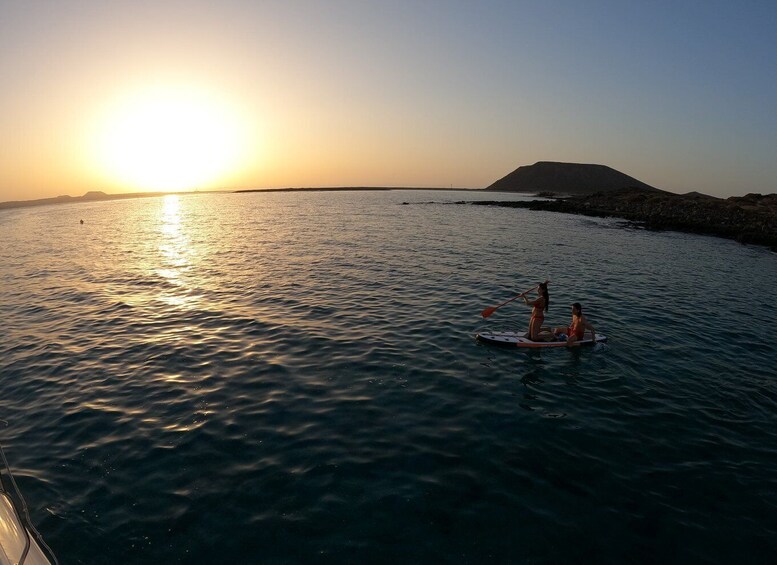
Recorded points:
(576, 330)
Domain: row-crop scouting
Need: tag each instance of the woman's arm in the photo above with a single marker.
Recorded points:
(533, 303)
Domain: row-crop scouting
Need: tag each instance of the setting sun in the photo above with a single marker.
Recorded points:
(169, 139)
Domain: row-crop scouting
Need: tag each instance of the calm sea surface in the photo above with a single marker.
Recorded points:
(292, 378)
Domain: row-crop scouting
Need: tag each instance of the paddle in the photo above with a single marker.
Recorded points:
(491, 309)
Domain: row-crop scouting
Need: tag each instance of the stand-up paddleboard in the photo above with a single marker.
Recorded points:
(520, 339)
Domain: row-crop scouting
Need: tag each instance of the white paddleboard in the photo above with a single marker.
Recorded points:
(520, 339)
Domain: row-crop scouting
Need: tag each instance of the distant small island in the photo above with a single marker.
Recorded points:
(747, 219)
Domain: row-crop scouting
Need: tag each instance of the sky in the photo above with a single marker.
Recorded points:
(127, 96)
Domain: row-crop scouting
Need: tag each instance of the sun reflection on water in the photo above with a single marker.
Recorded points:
(175, 253)
(171, 215)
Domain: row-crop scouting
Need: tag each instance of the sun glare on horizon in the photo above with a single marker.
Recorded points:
(169, 139)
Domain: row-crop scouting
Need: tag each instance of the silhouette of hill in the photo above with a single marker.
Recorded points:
(566, 178)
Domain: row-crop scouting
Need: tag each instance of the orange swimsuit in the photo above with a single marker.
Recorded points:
(577, 328)
(537, 313)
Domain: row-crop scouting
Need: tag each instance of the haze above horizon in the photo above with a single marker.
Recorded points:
(149, 96)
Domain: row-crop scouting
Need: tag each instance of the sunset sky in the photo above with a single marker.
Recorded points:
(154, 95)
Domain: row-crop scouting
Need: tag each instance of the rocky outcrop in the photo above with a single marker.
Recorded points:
(747, 219)
(566, 178)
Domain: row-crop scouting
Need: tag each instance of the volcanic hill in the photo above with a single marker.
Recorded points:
(566, 178)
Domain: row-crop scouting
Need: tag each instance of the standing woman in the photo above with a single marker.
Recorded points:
(539, 307)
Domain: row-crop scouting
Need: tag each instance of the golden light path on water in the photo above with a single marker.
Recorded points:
(175, 254)
(173, 249)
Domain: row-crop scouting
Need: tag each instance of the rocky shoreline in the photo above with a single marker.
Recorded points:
(748, 219)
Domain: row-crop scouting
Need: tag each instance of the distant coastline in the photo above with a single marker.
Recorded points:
(98, 196)
(748, 219)
(351, 189)
(92, 196)
(330, 189)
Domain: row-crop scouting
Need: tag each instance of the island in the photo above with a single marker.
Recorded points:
(552, 177)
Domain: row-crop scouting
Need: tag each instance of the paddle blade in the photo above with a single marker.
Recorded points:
(488, 311)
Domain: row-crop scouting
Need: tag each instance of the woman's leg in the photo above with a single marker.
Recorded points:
(534, 329)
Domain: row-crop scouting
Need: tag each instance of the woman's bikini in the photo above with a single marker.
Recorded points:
(537, 315)
(537, 311)
(577, 328)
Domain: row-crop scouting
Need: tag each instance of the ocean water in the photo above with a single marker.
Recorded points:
(292, 378)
